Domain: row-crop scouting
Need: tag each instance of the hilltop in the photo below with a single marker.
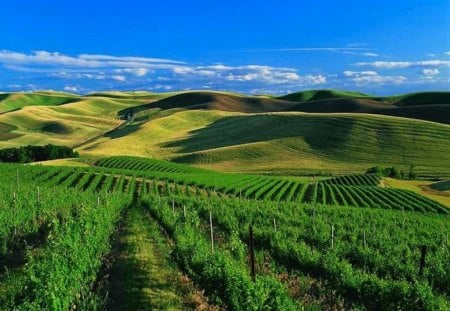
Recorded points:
(430, 106)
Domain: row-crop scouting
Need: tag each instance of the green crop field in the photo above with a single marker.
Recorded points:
(221, 201)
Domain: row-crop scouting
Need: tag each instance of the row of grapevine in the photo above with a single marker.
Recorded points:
(53, 239)
(262, 188)
(373, 259)
(354, 180)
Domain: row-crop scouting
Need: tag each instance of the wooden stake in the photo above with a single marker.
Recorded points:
(364, 236)
(173, 206)
(332, 236)
(212, 232)
(184, 211)
(275, 224)
(252, 253)
(38, 194)
(422, 259)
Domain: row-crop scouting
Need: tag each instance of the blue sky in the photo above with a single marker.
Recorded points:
(379, 47)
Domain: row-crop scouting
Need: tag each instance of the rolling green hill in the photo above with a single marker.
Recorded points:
(432, 112)
(344, 132)
(283, 142)
(312, 95)
(67, 124)
(15, 101)
(423, 98)
(430, 106)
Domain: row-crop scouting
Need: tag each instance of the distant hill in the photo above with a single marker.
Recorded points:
(15, 101)
(218, 101)
(430, 106)
(421, 99)
(312, 95)
(431, 112)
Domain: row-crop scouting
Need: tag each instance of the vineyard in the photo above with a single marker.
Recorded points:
(312, 247)
(351, 190)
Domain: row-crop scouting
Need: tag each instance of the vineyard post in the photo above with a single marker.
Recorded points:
(314, 203)
(275, 224)
(422, 259)
(173, 206)
(184, 211)
(38, 194)
(212, 232)
(364, 237)
(252, 253)
(98, 200)
(332, 236)
(403, 213)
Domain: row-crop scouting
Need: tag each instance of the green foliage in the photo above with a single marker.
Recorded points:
(391, 171)
(27, 154)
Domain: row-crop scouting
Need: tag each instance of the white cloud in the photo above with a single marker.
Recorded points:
(372, 77)
(447, 53)
(101, 69)
(357, 49)
(349, 73)
(182, 70)
(315, 79)
(405, 64)
(370, 54)
(139, 72)
(118, 78)
(430, 72)
(264, 74)
(127, 59)
(207, 73)
(72, 89)
(44, 58)
(216, 67)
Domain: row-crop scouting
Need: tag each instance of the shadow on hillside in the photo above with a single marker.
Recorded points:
(124, 131)
(321, 134)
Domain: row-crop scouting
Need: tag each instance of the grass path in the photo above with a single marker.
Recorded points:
(421, 187)
(141, 277)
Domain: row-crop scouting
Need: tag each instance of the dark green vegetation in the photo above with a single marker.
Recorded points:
(351, 190)
(27, 154)
(310, 255)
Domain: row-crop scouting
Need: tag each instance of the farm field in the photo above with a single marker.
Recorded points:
(364, 254)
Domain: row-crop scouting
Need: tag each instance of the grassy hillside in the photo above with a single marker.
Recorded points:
(233, 132)
(15, 101)
(423, 98)
(311, 95)
(70, 124)
(283, 142)
(432, 112)
(430, 106)
(216, 101)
